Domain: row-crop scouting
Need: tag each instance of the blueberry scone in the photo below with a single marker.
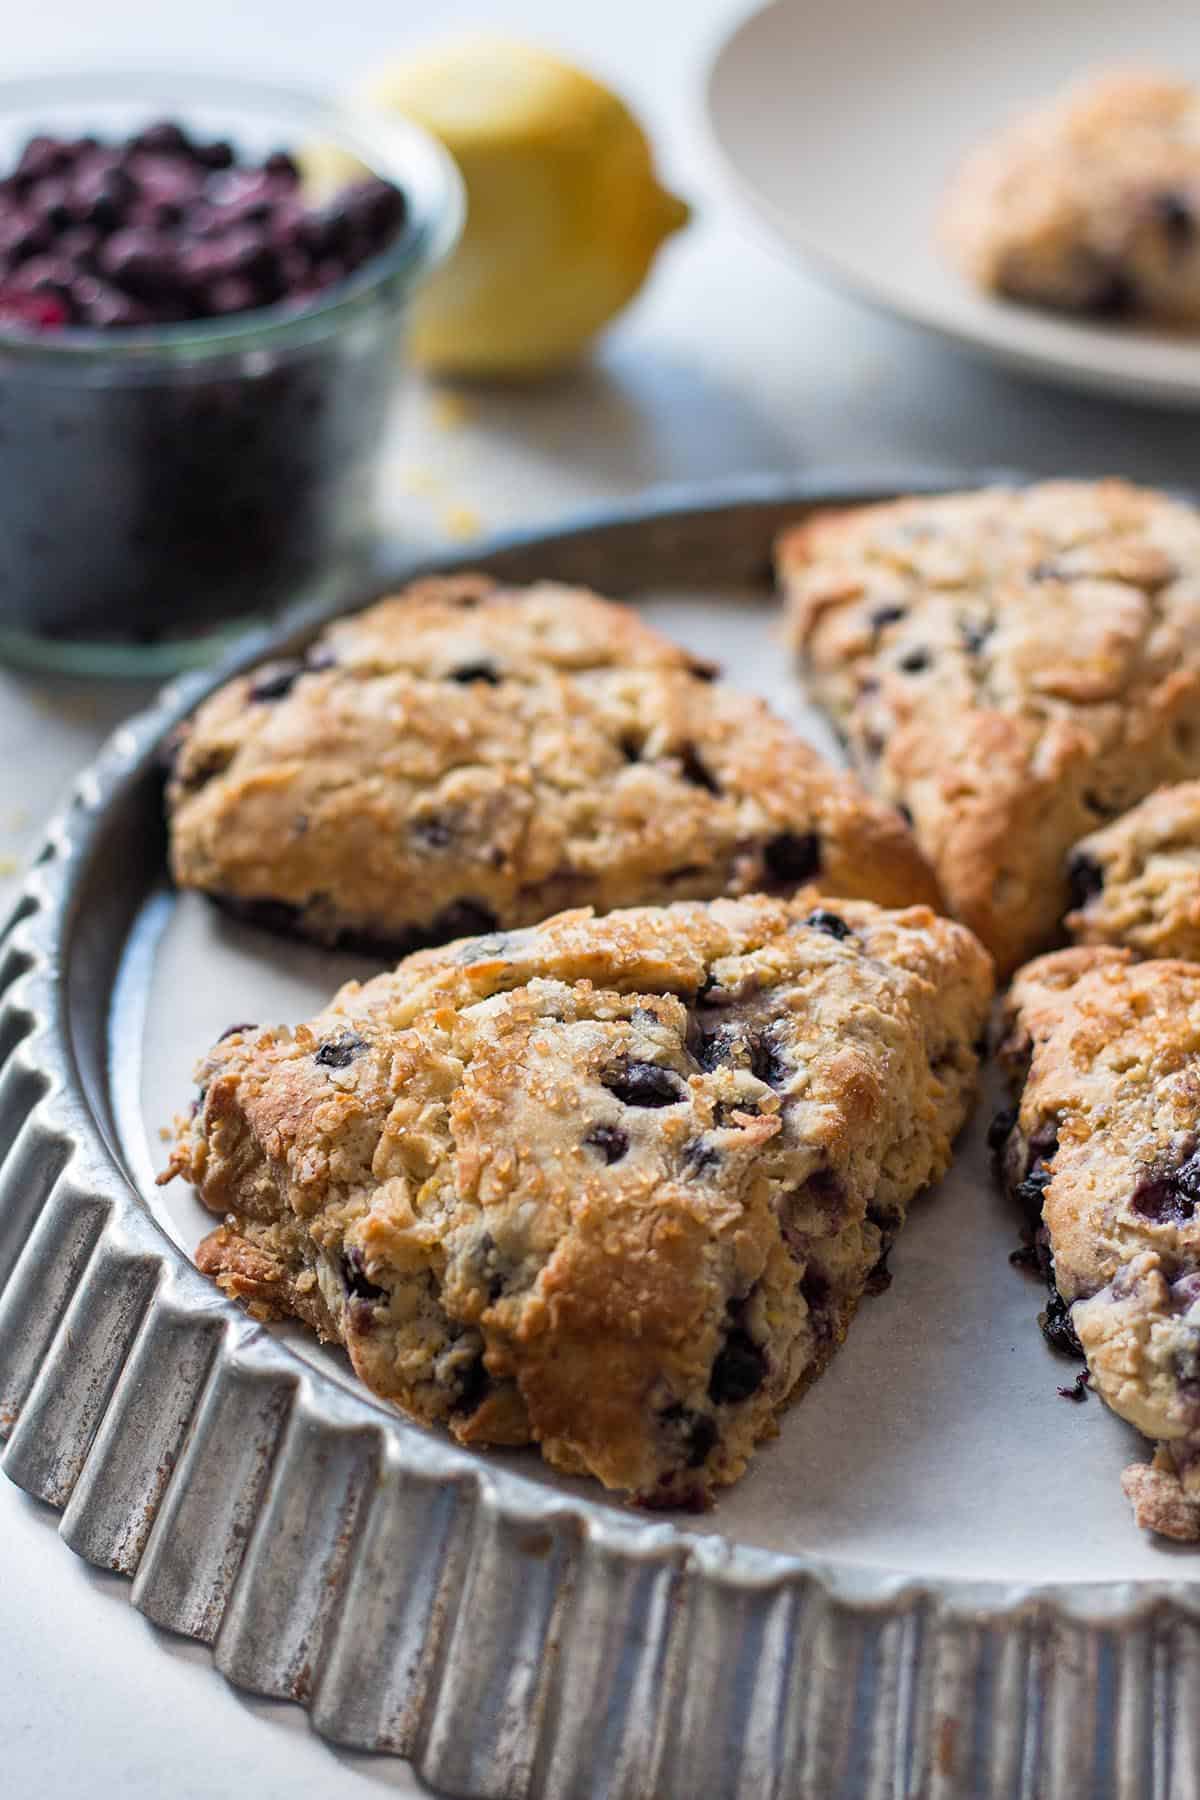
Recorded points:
(1137, 881)
(610, 1185)
(1105, 1141)
(1090, 205)
(465, 757)
(1011, 667)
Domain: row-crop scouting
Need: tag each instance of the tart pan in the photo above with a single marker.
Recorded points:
(971, 1614)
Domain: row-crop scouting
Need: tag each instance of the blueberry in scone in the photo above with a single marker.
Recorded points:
(1104, 1052)
(613, 1186)
(1091, 204)
(466, 757)
(1013, 667)
(1137, 881)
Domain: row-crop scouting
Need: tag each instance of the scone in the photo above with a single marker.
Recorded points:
(1105, 1054)
(1012, 667)
(612, 1185)
(1137, 881)
(1090, 205)
(465, 757)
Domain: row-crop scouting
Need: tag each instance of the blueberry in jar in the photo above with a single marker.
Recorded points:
(152, 488)
(169, 222)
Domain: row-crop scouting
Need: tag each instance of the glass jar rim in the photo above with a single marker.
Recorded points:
(391, 146)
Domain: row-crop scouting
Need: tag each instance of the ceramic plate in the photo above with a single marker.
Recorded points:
(843, 124)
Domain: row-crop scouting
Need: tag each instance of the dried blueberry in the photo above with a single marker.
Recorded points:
(814, 1286)
(1113, 297)
(1175, 214)
(473, 1385)
(1057, 1328)
(915, 662)
(435, 832)
(644, 1084)
(697, 1432)
(694, 770)
(1085, 879)
(828, 922)
(467, 918)
(609, 1140)
(486, 672)
(275, 681)
(1078, 1388)
(793, 855)
(879, 1279)
(354, 1275)
(739, 1370)
(340, 1052)
(230, 1029)
(698, 1155)
(883, 616)
(1168, 1195)
(1029, 1191)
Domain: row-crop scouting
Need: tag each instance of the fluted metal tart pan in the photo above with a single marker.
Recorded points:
(514, 1635)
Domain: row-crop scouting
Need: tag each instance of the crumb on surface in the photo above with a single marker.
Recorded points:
(461, 522)
(450, 411)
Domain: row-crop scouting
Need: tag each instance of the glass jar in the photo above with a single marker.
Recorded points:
(162, 486)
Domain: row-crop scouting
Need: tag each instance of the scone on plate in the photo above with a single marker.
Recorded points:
(1137, 881)
(1013, 667)
(1104, 1052)
(614, 1186)
(464, 757)
(1091, 204)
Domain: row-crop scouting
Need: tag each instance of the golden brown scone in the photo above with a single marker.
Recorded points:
(1137, 881)
(466, 756)
(1091, 204)
(611, 1185)
(1105, 1054)
(1013, 667)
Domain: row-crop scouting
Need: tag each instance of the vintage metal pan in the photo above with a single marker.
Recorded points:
(929, 1585)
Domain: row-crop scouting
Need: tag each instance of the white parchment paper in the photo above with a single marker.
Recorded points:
(937, 1442)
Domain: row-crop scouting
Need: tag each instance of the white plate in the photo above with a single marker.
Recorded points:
(843, 123)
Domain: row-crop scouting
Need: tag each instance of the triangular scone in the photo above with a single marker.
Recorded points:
(1137, 881)
(465, 757)
(1013, 668)
(614, 1186)
(1105, 1054)
(1091, 203)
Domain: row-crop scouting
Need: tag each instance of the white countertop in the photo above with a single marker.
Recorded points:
(733, 361)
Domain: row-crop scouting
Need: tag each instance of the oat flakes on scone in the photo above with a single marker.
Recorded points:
(1137, 881)
(1091, 204)
(1011, 666)
(613, 1186)
(466, 756)
(1104, 1054)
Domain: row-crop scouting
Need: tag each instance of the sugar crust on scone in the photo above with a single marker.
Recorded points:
(611, 1185)
(465, 756)
(1013, 667)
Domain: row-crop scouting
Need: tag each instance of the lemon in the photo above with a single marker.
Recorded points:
(564, 212)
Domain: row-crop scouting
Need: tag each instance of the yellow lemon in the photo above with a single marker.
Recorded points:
(564, 212)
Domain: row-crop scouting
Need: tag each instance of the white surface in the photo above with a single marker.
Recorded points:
(845, 123)
(733, 361)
